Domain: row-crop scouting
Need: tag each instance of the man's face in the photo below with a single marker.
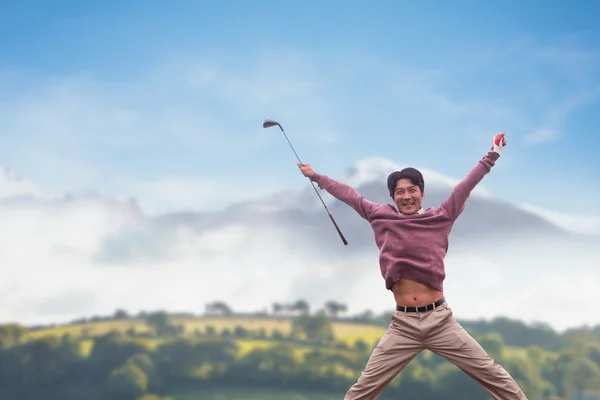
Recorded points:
(407, 197)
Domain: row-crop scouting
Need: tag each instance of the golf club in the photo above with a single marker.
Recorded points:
(269, 123)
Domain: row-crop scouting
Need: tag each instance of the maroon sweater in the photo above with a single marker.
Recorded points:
(411, 246)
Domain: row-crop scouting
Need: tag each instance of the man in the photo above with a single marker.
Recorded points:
(413, 243)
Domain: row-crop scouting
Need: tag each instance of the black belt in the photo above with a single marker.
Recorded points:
(428, 307)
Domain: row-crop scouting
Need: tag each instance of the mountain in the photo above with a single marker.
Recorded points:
(92, 254)
(297, 221)
(305, 222)
(285, 243)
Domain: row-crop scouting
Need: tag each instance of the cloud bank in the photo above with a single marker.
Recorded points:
(64, 256)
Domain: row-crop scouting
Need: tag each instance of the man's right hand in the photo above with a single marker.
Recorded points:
(306, 170)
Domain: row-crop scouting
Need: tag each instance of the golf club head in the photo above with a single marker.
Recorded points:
(269, 123)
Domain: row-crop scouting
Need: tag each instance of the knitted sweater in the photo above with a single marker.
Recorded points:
(411, 246)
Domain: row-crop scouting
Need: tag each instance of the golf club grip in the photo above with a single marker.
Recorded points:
(338, 229)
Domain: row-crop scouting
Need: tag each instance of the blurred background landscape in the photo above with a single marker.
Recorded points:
(157, 243)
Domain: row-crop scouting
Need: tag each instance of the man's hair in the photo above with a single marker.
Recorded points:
(411, 174)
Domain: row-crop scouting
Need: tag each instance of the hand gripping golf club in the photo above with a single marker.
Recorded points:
(269, 123)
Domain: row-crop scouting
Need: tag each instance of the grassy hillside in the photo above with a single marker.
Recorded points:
(347, 333)
(344, 332)
(312, 356)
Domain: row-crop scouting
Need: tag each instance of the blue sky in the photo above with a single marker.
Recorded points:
(164, 101)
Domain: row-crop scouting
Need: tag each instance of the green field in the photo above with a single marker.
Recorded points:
(252, 394)
(199, 358)
(344, 332)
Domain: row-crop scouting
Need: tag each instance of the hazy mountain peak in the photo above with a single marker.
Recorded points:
(15, 189)
(370, 169)
(14, 185)
(376, 169)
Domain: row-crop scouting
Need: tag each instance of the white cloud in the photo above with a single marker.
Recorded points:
(581, 222)
(497, 278)
(541, 135)
(13, 185)
(174, 193)
(516, 286)
(51, 270)
(554, 116)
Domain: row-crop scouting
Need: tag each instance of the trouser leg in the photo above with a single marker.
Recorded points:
(450, 340)
(398, 346)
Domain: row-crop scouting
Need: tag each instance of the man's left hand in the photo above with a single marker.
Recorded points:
(498, 143)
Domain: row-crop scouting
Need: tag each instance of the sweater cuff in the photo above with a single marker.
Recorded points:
(316, 177)
(493, 155)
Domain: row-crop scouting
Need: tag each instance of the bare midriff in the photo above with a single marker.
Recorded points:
(412, 294)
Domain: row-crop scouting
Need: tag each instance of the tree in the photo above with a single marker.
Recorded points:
(276, 334)
(178, 359)
(366, 316)
(528, 375)
(211, 331)
(536, 355)
(219, 308)
(579, 341)
(277, 308)
(143, 362)
(450, 383)
(240, 332)
(333, 308)
(581, 375)
(275, 363)
(11, 334)
(121, 314)
(42, 359)
(219, 355)
(493, 344)
(301, 306)
(315, 328)
(361, 346)
(113, 350)
(159, 322)
(127, 382)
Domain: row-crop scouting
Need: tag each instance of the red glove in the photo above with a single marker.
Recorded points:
(498, 143)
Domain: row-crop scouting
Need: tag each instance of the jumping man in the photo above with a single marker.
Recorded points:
(413, 243)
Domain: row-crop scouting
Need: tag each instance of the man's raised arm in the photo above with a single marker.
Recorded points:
(455, 203)
(340, 191)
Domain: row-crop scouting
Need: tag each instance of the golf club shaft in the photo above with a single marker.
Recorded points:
(290, 143)
(316, 191)
(330, 216)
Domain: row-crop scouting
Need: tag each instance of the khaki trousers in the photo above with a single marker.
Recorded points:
(437, 330)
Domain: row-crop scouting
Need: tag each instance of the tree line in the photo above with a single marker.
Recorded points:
(513, 332)
(167, 358)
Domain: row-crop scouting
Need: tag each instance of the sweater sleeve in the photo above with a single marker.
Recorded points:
(346, 194)
(455, 203)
